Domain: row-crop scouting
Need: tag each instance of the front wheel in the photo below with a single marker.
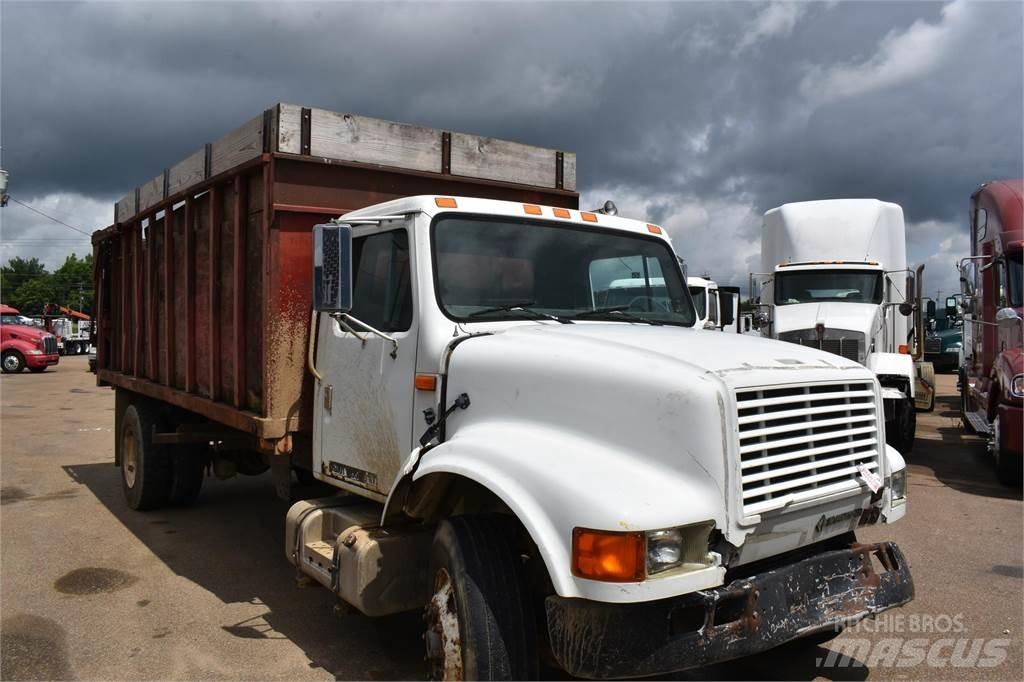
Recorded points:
(480, 618)
(12, 362)
(901, 431)
(1008, 468)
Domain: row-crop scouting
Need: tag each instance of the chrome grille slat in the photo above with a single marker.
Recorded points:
(802, 441)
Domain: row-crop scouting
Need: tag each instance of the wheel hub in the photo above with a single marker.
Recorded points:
(129, 457)
(444, 647)
(10, 363)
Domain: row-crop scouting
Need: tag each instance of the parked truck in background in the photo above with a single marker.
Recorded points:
(992, 374)
(545, 472)
(835, 277)
(717, 307)
(23, 345)
(71, 327)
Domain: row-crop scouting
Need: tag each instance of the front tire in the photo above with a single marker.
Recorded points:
(12, 362)
(480, 618)
(145, 467)
(1009, 469)
(901, 431)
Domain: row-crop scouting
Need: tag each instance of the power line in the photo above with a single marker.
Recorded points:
(46, 215)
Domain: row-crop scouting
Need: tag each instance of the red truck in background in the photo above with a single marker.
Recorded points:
(992, 372)
(23, 346)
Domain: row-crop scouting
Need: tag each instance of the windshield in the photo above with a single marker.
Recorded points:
(700, 300)
(816, 286)
(10, 319)
(485, 263)
(1015, 273)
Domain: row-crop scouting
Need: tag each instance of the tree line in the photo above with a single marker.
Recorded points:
(26, 284)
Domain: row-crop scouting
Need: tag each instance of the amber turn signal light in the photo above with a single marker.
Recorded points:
(904, 350)
(608, 556)
(426, 382)
(445, 202)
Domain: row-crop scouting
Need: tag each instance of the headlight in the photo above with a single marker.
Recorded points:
(1017, 386)
(684, 548)
(898, 486)
(33, 351)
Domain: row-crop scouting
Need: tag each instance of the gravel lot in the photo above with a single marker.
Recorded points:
(91, 590)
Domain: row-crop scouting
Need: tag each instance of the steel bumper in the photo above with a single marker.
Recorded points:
(1011, 417)
(829, 590)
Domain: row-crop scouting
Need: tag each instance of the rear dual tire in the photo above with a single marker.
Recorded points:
(153, 476)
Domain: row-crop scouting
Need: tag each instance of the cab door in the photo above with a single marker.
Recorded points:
(364, 402)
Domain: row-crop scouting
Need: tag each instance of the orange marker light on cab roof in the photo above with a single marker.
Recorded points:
(532, 209)
(445, 202)
(588, 217)
(653, 229)
(608, 556)
(426, 382)
(562, 213)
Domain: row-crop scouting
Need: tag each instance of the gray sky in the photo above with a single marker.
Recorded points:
(698, 116)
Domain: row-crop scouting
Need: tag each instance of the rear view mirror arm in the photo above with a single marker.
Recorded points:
(345, 319)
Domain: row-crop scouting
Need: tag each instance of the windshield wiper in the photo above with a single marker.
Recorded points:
(523, 307)
(616, 310)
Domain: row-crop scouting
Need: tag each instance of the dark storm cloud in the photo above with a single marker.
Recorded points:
(725, 104)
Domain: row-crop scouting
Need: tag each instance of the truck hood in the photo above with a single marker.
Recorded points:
(861, 317)
(20, 331)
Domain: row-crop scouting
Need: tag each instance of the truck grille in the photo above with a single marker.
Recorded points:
(49, 344)
(932, 344)
(803, 442)
(849, 344)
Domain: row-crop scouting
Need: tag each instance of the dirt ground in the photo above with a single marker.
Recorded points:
(91, 590)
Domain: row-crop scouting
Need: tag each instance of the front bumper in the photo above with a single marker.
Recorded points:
(41, 360)
(829, 590)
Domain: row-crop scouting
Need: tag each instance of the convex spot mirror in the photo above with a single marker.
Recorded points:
(906, 309)
(332, 268)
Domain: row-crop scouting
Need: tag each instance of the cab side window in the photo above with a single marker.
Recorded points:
(381, 281)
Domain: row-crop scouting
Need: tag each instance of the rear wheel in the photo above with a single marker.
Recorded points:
(186, 481)
(480, 619)
(145, 467)
(12, 362)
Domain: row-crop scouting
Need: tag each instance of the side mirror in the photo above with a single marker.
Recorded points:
(332, 268)
(727, 300)
(1007, 317)
(760, 319)
(951, 307)
(906, 309)
(930, 309)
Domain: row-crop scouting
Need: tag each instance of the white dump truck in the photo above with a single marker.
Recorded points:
(547, 471)
(835, 277)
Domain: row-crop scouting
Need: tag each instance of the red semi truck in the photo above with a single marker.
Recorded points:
(23, 346)
(992, 373)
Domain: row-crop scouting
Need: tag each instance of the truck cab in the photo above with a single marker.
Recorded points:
(835, 277)
(23, 346)
(717, 307)
(992, 373)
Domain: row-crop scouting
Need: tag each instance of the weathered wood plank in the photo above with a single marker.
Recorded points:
(348, 137)
(125, 208)
(289, 127)
(238, 146)
(569, 171)
(151, 193)
(492, 159)
(186, 173)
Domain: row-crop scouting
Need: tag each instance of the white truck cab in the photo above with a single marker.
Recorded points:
(717, 307)
(541, 444)
(835, 277)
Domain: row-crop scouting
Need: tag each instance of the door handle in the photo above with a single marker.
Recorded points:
(328, 397)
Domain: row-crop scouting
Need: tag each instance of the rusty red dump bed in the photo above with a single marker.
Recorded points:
(203, 281)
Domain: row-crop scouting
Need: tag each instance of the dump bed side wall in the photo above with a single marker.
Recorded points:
(209, 309)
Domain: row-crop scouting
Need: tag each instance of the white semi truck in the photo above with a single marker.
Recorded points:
(549, 472)
(834, 277)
